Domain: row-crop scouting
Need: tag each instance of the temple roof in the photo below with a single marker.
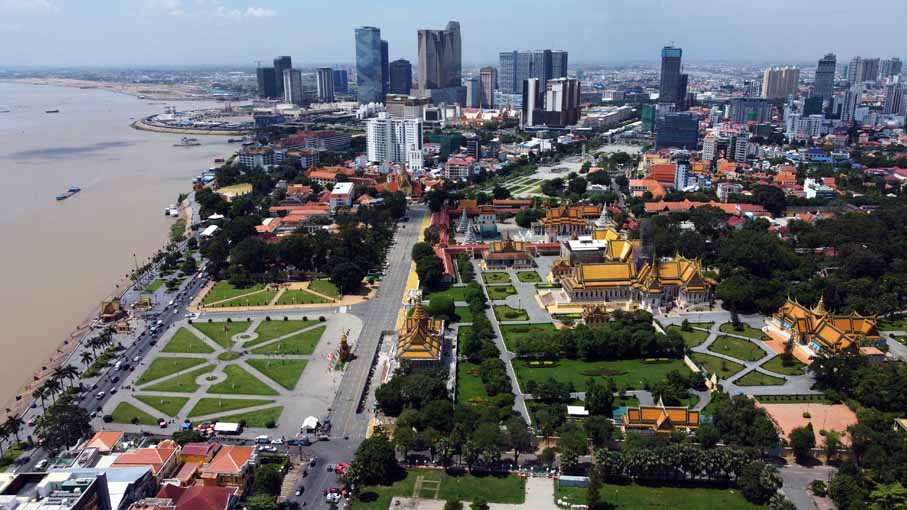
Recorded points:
(833, 332)
(420, 338)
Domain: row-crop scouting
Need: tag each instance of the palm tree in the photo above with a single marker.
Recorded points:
(40, 394)
(86, 358)
(14, 425)
(53, 386)
(69, 372)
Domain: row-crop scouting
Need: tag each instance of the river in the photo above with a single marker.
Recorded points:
(60, 259)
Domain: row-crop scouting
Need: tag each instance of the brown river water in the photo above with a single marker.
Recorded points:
(58, 260)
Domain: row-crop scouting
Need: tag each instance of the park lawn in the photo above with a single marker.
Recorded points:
(715, 365)
(464, 314)
(755, 378)
(691, 338)
(300, 343)
(221, 332)
(514, 332)
(269, 330)
(508, 313)
(463, 332)
(300, 297)
(454, 293)
(493, 488)
(185, 342)
(183, 383)
(284, 372)
(153, 286)
(499, 292)
(496, 277)
(162, 367)
(206, 406)
(469, 384)
(776, 365)
(325, 287)
(262, 298)
(633, 497)
(258, 419)
(528, 277)
(703, 325)
(737, 348)
(168, 405)
(630, 374)
(240, 382)
(748, 331)
(225, 290)
(125, 412)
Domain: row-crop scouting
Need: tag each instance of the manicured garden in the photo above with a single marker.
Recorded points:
(262, 418)
(164, 366)
(454, 293)
(691, 338)
(496, 277)
(225, 290)
(507, 313)
(206, 406)
(185, 342)
(634, 497)
(300, 343)
(285, 372)
(737, 348)
(747, 331)
(325, 287)
(240, 382)
(128, 413)
(500, 292)
(221, 332)
(228, 356)
(493, 488)
(300, 297)
(776, 365)
(629, 374)
(514, 332)
(168, 405)
(464, 314)
(262, 298)
(183, 383)
(714, 365)
(269, 330)
(755, 378)
(469, 384)
(528, 277)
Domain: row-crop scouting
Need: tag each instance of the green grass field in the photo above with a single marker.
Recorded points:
(469, 384)
(300, 297)
(631, 374)
(325, 287)
(635, 497)
(528, 277)
(454, 293)
(184, 383)
(748, 331)
(464, 314)
(300, 343)
(240, 382)
(256, 418)
(492, 488)
(690, 338)
(206, 406)
(507, 313)
(225, 290)
(228, 356)
(284, 372)
(269, 330)
(263, 298)
(185, 342)
(777, 366)
(755, 378)
(499, 292)
(221, 332)
(153, 286)
(737, 348)
(162, 367)
(496, 277)
(513, 332)
(126, 412)
(168, 405)
(715, 365)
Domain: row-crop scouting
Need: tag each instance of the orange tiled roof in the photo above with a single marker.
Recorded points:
(230, 459)
(155, 458)
(105, 440)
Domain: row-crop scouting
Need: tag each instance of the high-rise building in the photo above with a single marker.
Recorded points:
(648, 118)
(890, 67)
(369, 71)
(517, 66)
(341, 81)
(557, 107)
(895, 95)
(394, 141)
(473, 92)
(677, 130)
(862, 70)
(709, 147)
(324, 80)
(778, 82)
(825, 77)
(385, 65)
(532, 100)
(750, 109)
(559, 64)
(267, 83)
(812, 106)
(489, 77)
(440, 62)
(292, 86)
(401, 77)
(851, 100)
(281, 64)
(852, 68)
(404, 106)
(672, 84)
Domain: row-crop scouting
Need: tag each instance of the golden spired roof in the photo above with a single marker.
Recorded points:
(833, 332)
(421, 337)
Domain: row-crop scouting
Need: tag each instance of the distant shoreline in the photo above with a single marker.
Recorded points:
(144, 126)
(141, 91)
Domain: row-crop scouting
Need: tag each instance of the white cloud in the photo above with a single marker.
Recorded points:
(29, 5)
(260, 12)
(250, 12)
(223, 12)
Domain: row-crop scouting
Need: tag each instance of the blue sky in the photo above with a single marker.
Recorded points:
(185, 32)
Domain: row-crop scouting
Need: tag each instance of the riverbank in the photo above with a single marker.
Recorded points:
(145, 126)
(151, 92)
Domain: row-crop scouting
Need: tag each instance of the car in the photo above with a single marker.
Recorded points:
(330, 468)
(299, 492)
(176, 311)
(115, 378)
(277, 441)
(313, 462)
(100, 395)
(113, 390)
(41, 464)
(31, 422)
(94, 414)
(136, 359)
(169, 304)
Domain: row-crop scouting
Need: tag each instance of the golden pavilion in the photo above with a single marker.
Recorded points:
(420, 343)
(823, 331)
(507, 253)
(660, 419)
(567, 220)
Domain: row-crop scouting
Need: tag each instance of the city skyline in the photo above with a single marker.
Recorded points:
(232, 32)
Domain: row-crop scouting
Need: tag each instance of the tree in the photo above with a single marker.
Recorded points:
(182, 438)
(572, 444)
(599, 429)
(599, 398)
(779, 502)
(518, 437)
(758, 482)
(267, 480)
(441, 307)
(832, 443)
(891, 496)
(593, 492)
(770, 197)
(13, 425)
(547, 456)
(500, 192)
(479, 504)
(453, 504)
(802, 441)
(552, 187)
(62, 425)
(708, 436)
(374, 462)
(260, 502)
(430, 270)
(347, 277)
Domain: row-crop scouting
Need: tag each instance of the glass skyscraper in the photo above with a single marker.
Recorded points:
(369, 70)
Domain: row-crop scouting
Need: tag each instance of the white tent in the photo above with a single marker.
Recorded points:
(208, 232)
(226, 427)
(310, 424)
(577, 411)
